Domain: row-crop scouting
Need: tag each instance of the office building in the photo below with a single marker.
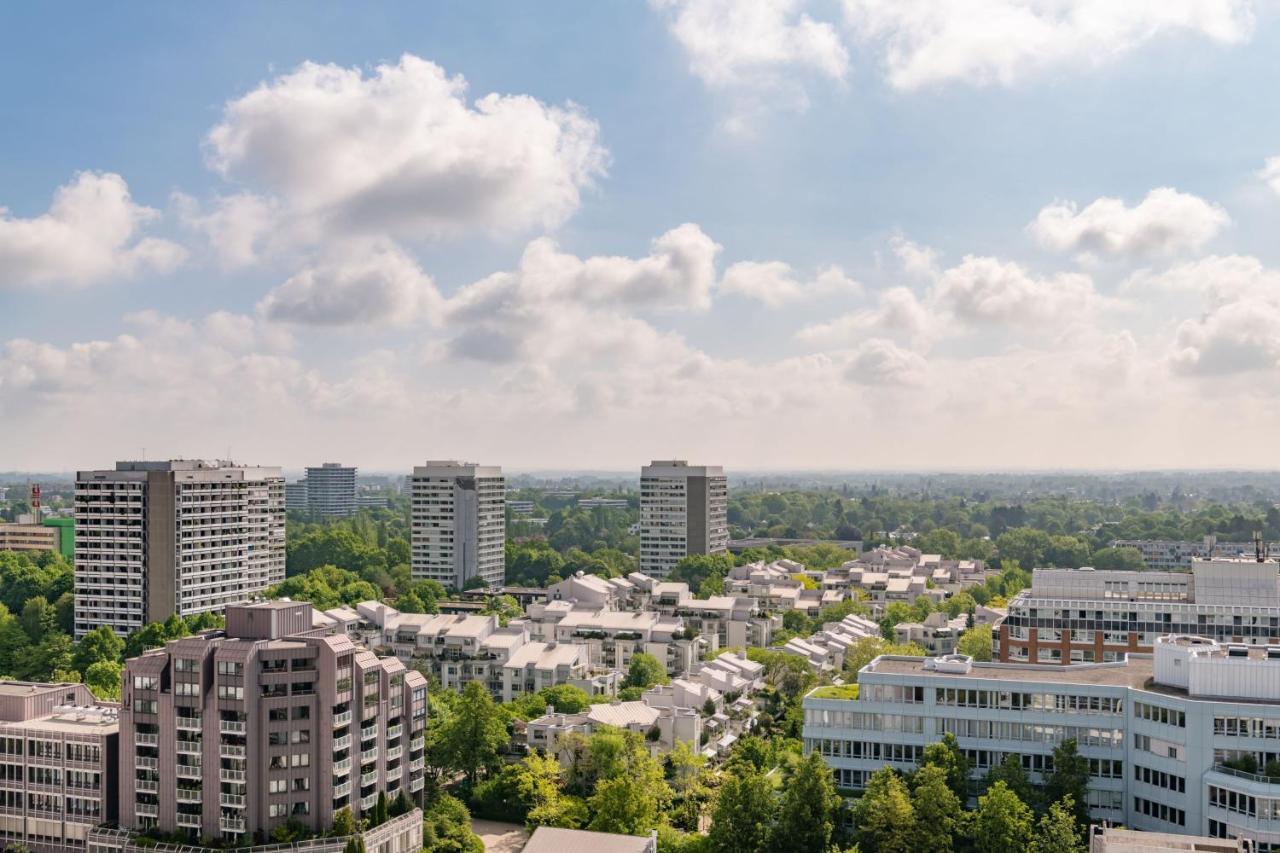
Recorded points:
(155, 539)
(58, 765)
(231, 733)
(458, 523)
(1084, 616)
(1165, 734)
(604, 503)
(683, 510)
(331, 491)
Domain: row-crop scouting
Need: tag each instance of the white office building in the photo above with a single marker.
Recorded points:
(183, 536)
(683, 510)
(331, 490)
(1161, 731)
(458, 523)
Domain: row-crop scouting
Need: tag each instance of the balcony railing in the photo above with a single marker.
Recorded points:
(231, 824)
(368, 802)
(146, 809)
(231, 727)
(146, 738)
(191, 821)
(417, 764)
(341, 719)
(146, 763)
(189, 771)
(230, 775)
(341, 790)
(415, 785)
(368, 778)
(342, 767)
(340, 743)
(190, 724)
(235, 801)
(189, 795)
(1244, 774)
(189, 747)
(146, 786)
(394, 752)
(230, 750)
(369, 755)
(393, 732)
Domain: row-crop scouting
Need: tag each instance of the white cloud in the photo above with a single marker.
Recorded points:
(400, 153)
(1220, 278)
(1270, 173)
(898, 314)
(916, 260)
(356, 283)
(1165, 222)
(759, 50)
(239, 228)
(882, 362)
(774, 283)
(983, 290)
(983, 42)
(91, 233)
(1235, 338)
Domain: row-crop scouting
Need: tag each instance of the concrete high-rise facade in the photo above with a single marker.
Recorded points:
(331, 490)
(184, 536)
(684, 509)
(231, 733)
(58, 766)
(458, 522)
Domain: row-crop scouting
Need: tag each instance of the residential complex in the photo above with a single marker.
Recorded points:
(1082, 615)
(52, 534)
(331, 490)
(155, 539)
(231, 733)
(1159, 730)
(58, 765)
(458, 523)
(1175, 555)
(683, 511)
(295, 496)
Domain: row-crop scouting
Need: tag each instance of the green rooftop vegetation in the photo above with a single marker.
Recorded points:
(836, 691)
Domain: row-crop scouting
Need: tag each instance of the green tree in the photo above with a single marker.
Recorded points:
(946, 755)
(343, 821)
(100, 644)
(809, 810)
(744, 814)
(1011, 772)
(976, 643)
(885, 818)
(469, 738)
(1122, 559)
(1002, 822)
(39, 618)
(1058, 831)
(645, 671)
(380, 810)
(1069, 780)
(103, 678)
(632, 795)
(446, 827)
(939, 813)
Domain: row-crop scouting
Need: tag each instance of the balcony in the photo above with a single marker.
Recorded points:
(415, 785)
(368, 802)
(230, 750)
(235, 801)
(230, 775)
(417, 764)
(146, 786)
(231, 727)
(146, 763)
(190, 747)
(368, 778)
(394, 752)
(190, 724)
(340, 743)
(190, 821)
(342, 719)
(146, 739)
(341, 790)
(189, 795)
(231, 824)
(417, 743)
(146, 809)
(189, 771)
(343, 767)
(393, 732)
(369, 755)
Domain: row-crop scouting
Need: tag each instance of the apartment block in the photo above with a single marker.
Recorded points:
(458, 523)
(28, 537)
(1176, 555)
(59, 752)
(154, 539)
(233, 732)
(683, 510)
(1082, 615)
(331, 490)
(1164, 733)
(295, 496)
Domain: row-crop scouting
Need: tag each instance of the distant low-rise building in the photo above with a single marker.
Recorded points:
(551, 839)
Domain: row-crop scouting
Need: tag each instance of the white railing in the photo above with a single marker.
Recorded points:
(343, 766)
(228, 750)
(146, 763)
(231, 727)
(146, 786)
(231, 824)
(146, 809)
(341, 719)
(341, 742)
(146, 738)
(189, 820)
(341, 790)
(235, 801)
(189, 795)
(231, 775)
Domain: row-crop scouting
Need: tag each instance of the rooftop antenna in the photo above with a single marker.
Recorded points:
(1260, 547)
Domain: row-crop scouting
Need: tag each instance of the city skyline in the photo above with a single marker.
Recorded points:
(861, 225)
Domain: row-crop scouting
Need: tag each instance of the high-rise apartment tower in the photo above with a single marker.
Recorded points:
(683, 511)
(458, 523)
(331, 490)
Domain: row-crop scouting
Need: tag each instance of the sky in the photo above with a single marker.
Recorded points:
(845, 234)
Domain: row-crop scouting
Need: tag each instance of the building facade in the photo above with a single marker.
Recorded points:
(331, 490)
(28, 537)
(295, 496)
(1086, 616)
(458, 523)
(59, 753)
(155, 539)
(683, 510)
(1164, 734)
(231, 733)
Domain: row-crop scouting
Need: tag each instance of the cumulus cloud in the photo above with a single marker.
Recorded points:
(984, 42)
(916, 260)
(556, 302)
(1165, 222)
(759, 50)
(92, 232)
(775, 283)
(239, 228)
(878, 361)
(1270, 174)
(356, 283)
(899, 313)
(1220, 278)
(989, 291)
(399, 152)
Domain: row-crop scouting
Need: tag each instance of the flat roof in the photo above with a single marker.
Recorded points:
(1135, 671)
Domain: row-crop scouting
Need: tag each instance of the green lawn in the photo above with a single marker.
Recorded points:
(833, 691)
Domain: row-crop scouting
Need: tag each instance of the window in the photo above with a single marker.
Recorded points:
(226, 691)
(145, 682)
(230, 667)
(278, 786)
(278, 715)
(301, 759)
(302, 712)
(184, 665)
(277, 810)
(302, 783)
(300, 736)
